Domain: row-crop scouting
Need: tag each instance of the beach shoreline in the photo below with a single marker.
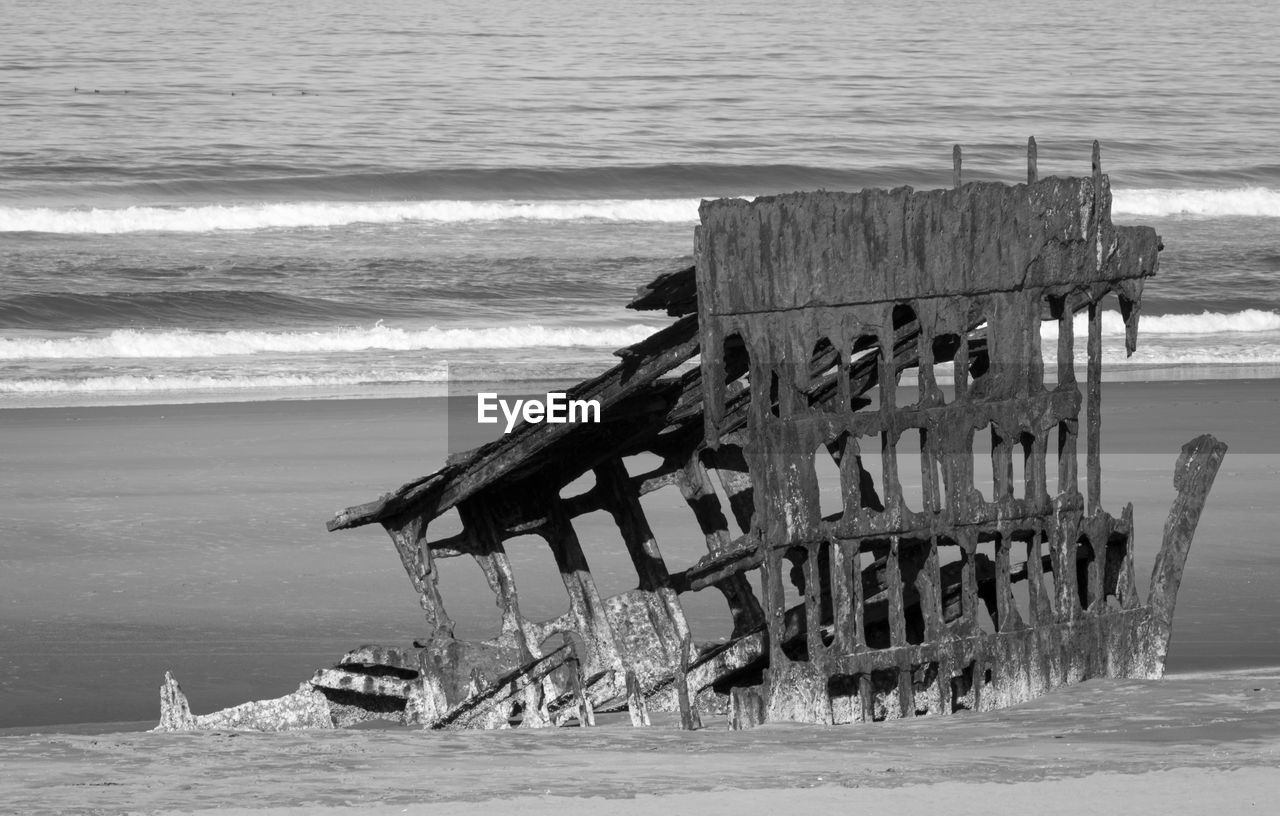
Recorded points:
(1128, 372)
(1178, 745)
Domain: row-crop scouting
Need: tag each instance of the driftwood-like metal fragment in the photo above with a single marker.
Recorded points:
(923, 590)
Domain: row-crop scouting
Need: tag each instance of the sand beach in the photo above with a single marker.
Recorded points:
(1187, 744)
(190, 538)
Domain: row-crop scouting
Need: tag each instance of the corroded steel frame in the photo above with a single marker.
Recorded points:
(803, 312)
(849, 277)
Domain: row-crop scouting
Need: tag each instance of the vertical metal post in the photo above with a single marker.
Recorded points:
(689, 719)
(1094, 384)
(1093, 406)
(636, 705)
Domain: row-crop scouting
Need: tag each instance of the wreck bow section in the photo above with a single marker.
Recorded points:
(852, 407)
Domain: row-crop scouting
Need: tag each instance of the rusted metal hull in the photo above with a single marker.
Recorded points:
(803, 312)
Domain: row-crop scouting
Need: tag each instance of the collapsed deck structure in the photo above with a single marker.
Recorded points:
(794, 331)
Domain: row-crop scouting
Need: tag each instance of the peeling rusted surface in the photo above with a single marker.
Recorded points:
(923, 590)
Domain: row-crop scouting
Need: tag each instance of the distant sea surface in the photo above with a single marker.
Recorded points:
(251, 200)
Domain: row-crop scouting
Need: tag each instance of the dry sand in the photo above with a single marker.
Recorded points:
(191, 538)
(1182, 745)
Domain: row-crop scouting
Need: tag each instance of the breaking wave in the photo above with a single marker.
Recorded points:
(1247, 322)
(209, 218)
(1244, 201)
(160, 383)
(132, 343)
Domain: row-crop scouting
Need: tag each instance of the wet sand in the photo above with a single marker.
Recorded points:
(191, 538)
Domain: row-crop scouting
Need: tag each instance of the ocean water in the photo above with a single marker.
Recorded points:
(252, 200)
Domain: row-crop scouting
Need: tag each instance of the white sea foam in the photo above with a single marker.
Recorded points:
(334, 214)
(132, 343)
(1247, 201)
(1250, 321)
(161, 383)
(1243, 201)
(1187, 356)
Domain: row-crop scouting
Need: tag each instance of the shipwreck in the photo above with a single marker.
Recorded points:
(796, 336)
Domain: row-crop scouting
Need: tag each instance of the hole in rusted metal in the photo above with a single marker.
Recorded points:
(468, 598)
(1020, 456)
(846, 701)
(775, 394)
(951, 571)
(823, 363)
(910, 473)
(579, 486)
(1085, 589)
(903, 314)
(885, 701)
(864, 374)
(984, 568)
(912, 558)
(872, 562)
(945, 347)
(871, 475)
(830, 490)
(611, 566)
(1019, 580)
(445, 525)
(1117, 569)
(962, 689)
(984, 463)
(924, 679)
(539, 584)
